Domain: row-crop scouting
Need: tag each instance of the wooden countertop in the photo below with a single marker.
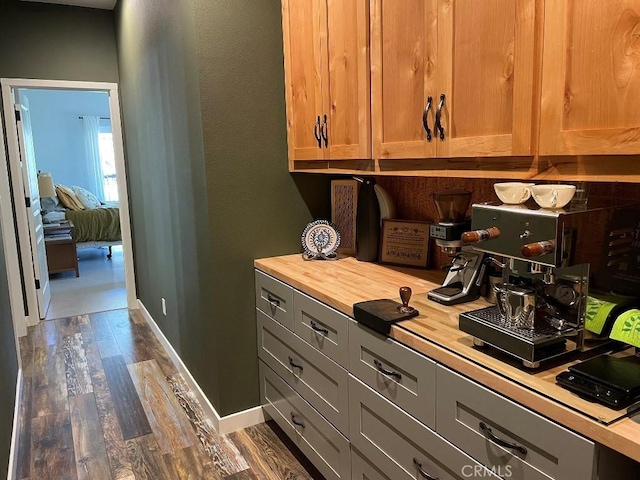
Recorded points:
(434, 332)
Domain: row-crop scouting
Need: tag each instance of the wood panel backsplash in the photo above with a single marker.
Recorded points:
(413, 197)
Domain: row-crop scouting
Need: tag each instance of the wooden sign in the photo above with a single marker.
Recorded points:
(405, 242)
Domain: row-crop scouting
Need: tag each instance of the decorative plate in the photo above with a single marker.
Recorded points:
(320, 238)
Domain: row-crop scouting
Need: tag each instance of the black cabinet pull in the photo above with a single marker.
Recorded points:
(324, 130)
(316, 132)
(296, 422)
(423, 474)
(315, 326)
(273, 300)
(293, 363)
(438, 126)
(425, 117)
(503, 443)
(390, 373)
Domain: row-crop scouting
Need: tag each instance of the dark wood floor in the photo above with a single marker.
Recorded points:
(103, 401)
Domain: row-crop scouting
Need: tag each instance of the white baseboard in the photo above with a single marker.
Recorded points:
(15, 433)
(223, 425)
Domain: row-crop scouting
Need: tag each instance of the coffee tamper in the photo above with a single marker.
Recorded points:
(405, 296)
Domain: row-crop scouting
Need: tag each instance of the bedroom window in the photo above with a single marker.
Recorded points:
(107, 161)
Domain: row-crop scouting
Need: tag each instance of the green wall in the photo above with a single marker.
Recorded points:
(8, 367)
(203, 103)
(56, 42)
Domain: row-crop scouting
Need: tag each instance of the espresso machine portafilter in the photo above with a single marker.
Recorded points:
(550, 259)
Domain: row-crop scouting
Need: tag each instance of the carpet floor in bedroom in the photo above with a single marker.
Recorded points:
(99, 287)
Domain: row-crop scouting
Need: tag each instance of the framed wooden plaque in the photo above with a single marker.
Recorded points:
(344, 202)
(405, 242)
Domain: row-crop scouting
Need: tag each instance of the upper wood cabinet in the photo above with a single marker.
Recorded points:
(591, 78)
(327, 71)
(475, 61)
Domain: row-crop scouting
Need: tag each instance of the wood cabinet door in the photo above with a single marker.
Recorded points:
(304, 29)
(591, 78)
(347, 92)
(486, 53)
(403, 63)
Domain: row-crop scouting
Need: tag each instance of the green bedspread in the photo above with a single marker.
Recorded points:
(98, 224)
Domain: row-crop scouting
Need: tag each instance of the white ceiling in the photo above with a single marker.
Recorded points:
(104, 4)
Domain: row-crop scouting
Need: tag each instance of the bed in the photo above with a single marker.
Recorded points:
(94, 228)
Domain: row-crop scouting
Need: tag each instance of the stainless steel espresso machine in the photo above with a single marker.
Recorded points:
(551, 260)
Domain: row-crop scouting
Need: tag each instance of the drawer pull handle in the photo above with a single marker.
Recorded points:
(423, 474)
(425, 118)
(273, 300)
(296, 422)
(389, 373)
(293, 363)
(315, 327)
(438, 125)
(501, 442)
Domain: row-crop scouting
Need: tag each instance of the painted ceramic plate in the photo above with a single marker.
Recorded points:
(322, 237)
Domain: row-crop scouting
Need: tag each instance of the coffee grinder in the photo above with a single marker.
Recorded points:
(462, 283)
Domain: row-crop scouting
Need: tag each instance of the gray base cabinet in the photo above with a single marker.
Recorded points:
(363, 406)
(503, 435)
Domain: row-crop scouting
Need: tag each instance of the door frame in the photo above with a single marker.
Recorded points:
(7, 210)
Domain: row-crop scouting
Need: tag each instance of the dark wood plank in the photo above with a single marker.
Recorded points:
(45, 333)
(268, 455)
(189, 464)
(131, 416)
(244, 475)
(143, 330)
(88, 442)
(23, 469)
(76, 367)
(100, 326)
(49, 380)
(52, 448)
(227, 460)
(108, 347)
(71, 325)
(132, 344)
(170, 425)
(146, 459)
(115, 445)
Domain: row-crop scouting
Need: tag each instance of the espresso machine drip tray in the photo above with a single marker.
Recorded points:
(489, 326)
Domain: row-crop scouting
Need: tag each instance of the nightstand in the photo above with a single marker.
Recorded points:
(60, 242)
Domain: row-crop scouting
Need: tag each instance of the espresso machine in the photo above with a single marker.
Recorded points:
(463, 280)
(551, 260)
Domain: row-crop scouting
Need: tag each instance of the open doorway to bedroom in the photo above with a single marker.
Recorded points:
(66, 156)
(73, 151)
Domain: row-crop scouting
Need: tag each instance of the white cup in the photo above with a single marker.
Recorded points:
(553, 196)
(513, 193)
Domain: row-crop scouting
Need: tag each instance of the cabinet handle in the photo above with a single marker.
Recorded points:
(438, 126)
(316, 132)
(425, 117)
(293, 363)
(273, 300)
(324, 129)
(296, 422)
(423, 474)
(315, 327)
(501, 442)
(390, 373)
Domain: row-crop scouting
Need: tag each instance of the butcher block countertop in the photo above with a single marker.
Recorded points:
(435, 333)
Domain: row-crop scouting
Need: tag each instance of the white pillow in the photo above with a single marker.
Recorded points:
(88, 199)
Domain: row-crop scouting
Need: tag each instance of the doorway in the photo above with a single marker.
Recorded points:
(22, 226)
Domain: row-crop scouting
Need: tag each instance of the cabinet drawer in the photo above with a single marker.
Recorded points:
(323, 327)
(411, 378)
(322, 444)
(399, 444)
(469, 415)
(274, 298)
(361, 469)
(319, 380)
